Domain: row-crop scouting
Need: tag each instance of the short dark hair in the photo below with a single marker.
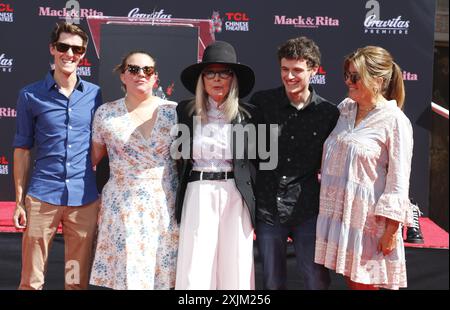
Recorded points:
(300, 48)
(68, 28)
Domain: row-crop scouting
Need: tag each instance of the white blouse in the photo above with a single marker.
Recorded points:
(212, 141)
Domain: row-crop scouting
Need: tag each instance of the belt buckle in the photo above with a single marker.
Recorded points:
(226, 176)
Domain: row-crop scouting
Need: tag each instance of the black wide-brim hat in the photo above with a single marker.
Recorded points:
(220, 52)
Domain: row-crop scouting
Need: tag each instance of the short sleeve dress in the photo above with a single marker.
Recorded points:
(138, 234)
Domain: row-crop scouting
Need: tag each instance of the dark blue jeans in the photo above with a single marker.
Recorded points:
(272, 244)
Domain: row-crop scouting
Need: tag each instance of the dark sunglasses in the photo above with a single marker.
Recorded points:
(63, 47)
(223, 74)
(134, 70)
(354, 77)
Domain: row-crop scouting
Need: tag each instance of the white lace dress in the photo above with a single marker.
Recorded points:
(364, 180)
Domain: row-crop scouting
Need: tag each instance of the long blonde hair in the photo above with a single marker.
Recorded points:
(373, 61)
(200, 104)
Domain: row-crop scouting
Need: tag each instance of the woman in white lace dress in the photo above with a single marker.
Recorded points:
(138, 234)
(366, 165)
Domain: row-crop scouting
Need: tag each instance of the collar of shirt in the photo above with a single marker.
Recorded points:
(312, 100)
(302, 105)
(51, 83)
(215, 111)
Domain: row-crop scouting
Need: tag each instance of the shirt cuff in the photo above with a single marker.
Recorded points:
(23, 142)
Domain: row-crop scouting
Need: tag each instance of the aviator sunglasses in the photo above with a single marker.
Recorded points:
(354, 77)
(134, 70)
(63, 47)
(223, 74)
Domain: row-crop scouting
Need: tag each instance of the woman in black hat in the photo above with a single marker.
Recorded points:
(215, 202)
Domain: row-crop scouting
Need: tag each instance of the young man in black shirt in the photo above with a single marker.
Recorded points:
(288, 196)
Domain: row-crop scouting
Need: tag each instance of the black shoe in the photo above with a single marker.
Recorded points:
(413, 233)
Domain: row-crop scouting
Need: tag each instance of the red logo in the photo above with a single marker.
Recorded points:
(3, 161)
(5, 7)
(84, 63)
(237, 16)
(236, 21)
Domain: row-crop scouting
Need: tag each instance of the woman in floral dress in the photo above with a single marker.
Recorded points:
(138, 234)
(366, 165)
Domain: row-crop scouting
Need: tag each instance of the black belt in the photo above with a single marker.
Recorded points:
(199, 175)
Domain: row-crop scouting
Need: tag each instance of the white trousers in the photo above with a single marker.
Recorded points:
(216, 239)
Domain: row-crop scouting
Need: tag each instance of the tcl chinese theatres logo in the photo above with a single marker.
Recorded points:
(6, 13)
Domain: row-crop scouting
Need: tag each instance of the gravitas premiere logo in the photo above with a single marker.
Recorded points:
(306, 21)
(373, 24)
(136, 14)
(6, 13)
(5, 63)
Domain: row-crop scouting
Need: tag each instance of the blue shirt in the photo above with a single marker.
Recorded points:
(60, 129)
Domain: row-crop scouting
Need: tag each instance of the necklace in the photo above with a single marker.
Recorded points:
(367, 109)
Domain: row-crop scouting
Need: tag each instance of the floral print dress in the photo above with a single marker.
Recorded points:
(138, 234)
(364, 180)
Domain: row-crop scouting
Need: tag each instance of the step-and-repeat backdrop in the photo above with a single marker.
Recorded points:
(256, 28)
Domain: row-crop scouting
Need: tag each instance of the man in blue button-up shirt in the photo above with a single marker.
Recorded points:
(54, 116)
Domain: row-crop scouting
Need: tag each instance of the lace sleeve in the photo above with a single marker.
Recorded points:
(394, 202)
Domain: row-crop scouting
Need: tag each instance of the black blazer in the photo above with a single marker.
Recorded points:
(244, 169)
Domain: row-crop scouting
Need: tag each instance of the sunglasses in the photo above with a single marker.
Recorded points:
(134, 70)
(354, 77)
(63, 47)
(223, 74)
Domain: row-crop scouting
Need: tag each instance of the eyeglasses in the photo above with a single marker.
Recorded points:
(354, 77)
(63, 47)
(223, 74)
(134, 70)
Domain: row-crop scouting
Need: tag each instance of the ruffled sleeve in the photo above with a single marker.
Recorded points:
(394, 202)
